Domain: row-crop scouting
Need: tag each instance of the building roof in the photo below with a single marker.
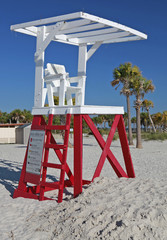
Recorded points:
(12, 124)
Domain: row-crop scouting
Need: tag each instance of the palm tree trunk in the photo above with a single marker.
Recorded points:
(130, 137)
(154, 129)
(138, 133)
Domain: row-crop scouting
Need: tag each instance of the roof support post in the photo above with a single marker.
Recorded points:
(48, 39)
(39, 95)
(82, 59)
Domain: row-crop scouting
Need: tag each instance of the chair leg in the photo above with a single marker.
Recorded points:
(69, 99)
(62, 92)
(50, 95)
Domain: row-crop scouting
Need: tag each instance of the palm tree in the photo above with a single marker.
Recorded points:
(144, 119)
(27, 116)
(125, 117)
(164, 121)
(17, 116)
(157, 119)
(133, 120)
(140, 86)
(123, 75)
(146, 104)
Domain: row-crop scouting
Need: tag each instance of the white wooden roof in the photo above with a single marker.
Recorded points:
(81, 28)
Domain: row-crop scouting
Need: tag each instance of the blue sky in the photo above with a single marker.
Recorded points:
(17, 67)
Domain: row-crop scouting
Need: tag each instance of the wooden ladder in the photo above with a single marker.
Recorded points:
(50, 144)
(41, 186)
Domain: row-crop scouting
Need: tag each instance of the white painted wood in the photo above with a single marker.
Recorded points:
(47, 20)
(103, 37)
(25, 31)
(82, 59)
(79, 29)
(58, 84)
(86, 109)
(62, 90)
(74, 79)
(70, 25)
(113, 24)
(93, 49)
(48, 39)
(39, 81)
(44, 96)
(80, 24)
(123, 39)
(83, 28)
(92, 33)
(63, 38)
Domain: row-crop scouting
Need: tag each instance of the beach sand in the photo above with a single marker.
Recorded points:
(109, 208)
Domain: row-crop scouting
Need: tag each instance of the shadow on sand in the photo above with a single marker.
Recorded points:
(9, 174)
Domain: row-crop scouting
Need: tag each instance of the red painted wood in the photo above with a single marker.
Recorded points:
(76, 179)
(106, 147)
(125, 148)
(23, 194)
(64, 159)
(111, 158)
(22, 181)
(48, 137)
(59, 155)
(77, 154)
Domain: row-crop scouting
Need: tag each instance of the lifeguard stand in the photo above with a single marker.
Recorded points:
(79, 29)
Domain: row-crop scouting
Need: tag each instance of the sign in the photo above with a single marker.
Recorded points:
(35, 152)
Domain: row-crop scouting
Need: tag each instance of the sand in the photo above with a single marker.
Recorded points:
(109, 208)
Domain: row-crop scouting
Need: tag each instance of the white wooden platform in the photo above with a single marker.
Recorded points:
(86, 109)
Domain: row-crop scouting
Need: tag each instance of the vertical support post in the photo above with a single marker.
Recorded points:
(39, 65)
(82, 60)
(62, 91)
(77, 154)
(125, 148)
(48, 133)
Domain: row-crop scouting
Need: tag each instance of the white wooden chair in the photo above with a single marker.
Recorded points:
(58, 83)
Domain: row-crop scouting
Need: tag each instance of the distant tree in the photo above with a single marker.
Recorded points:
(146, 104)
(125, 117)
(27, 116)
(95, 120)
(164, 121)
(157, 119)
(133, 120)
(123, 75)
(4, 117)
(110, 119)
(140, 86)
(17, 116)
(144, 119)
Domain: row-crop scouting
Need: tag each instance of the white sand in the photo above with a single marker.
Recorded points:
(109, 208)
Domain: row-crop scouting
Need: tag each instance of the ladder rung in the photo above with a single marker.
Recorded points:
(55, 146)
(52, 185)
(53, 165)
(56, 127)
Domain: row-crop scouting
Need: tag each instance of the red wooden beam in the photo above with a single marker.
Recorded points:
(110, 156)
(125, 148)
(77, 154)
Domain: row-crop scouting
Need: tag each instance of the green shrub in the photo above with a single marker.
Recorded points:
(154, 136)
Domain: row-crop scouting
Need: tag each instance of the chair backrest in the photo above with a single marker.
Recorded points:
(54, 69)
